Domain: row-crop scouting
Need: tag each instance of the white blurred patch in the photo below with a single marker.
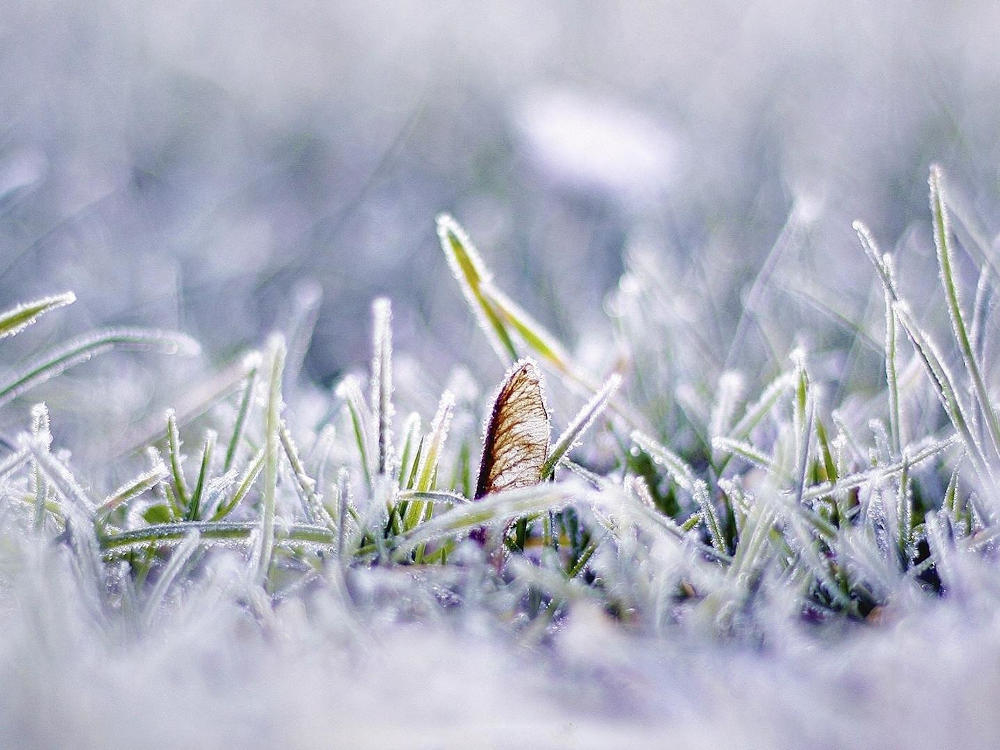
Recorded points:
(21, 169)
(593, 143)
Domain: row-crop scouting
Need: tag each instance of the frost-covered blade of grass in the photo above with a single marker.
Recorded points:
(312, 500)
(17, 319)
(496, 508)
(747, 452)
(272, 425)
(679, 469)
(941, 378)
(500, 317)
(86, 347)
(251, 364)
(178, 560)
(224, 533)
(381, 385)
(434, 442)
(409, 454)
(194, 504)
(471, 274)
(946, 261)
(143, 483)
(581, 422)
(350, 391)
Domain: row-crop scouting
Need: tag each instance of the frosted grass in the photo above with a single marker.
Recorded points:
(728, 556)
(816, 572)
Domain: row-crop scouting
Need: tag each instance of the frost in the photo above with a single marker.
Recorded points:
(731, 552)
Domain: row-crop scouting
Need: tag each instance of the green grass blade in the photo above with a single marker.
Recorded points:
(312, 500)
(408, 455)
(176, 460)
(950, 503)
(540, 341)
(944, 387)
(904, 516)
(749, 454)
(497, 508)
(942, 242)
(829, 465)
(212, 532)
(891, 375)
(471, 274)
(17, 319)
(84, 348)
(139, 485)
(381, 385)
(801, 411)
(883, 264)
(178, 560)
(350, 391)
(272, 424)
(431, 451)
(849, 482)
(252, 365)
(437, 496)
(678, 468)
(246, 482)
(580, 424)
(711, 518)
(203, 469)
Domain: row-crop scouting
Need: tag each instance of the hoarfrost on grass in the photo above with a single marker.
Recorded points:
(733, 550)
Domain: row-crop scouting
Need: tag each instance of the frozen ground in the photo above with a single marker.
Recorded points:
(670, 190)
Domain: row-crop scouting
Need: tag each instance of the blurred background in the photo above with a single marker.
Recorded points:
(205, 165)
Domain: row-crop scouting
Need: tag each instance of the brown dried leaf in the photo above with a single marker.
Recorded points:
(517, 435)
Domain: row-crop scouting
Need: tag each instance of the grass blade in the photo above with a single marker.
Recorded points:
(760, 408)
(199, 487)
(40, 430)
(272, 425)
(408, 456)
(381, 385)
(709, 515)
(540, 341)
(942, 242)
(252, 365)
(581, 422)
(312, 501)
(212, 532)
(17, 319)
(137, 486)
(432, 445)
(178, 560)
(495, 508)
(471, 274)
(350, 391)
(246, 482)
(84, 348)
(884, 264)
(678, 468)
(748, 453)
(176, 459)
